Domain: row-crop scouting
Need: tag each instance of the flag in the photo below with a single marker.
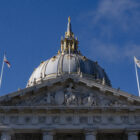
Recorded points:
(137, 62)
(7, 62)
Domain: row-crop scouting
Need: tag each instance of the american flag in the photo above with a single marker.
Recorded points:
(7, 62)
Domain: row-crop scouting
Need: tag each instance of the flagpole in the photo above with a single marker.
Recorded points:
(137, 79)
(2, 72)
(69, 59)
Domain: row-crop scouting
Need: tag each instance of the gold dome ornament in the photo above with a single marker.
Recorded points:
(69, 19)
(69, 43)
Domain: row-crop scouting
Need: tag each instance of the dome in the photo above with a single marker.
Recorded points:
(68, 61)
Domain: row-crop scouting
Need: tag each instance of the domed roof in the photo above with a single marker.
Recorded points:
(68, 61)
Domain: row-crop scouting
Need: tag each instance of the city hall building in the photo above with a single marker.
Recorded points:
(69, 97)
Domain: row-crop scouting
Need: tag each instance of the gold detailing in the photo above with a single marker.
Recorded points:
(69, 44)
(53, 58)
(73, 47)
(69, 33)
(84, 58)
(58, 52)
(62, 48)
(69, 19)
(103, 81)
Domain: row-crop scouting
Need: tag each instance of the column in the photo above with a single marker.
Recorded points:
(90, 135)
(48, 135)
(132, 136)
(5, 136)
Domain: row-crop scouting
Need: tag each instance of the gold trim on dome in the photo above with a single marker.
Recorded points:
(69, 19)
(69, 44)
(53, 58)
(58, 52)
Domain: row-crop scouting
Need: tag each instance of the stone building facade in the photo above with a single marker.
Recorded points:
(69, 97)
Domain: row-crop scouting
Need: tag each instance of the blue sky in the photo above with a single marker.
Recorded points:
(108, 32)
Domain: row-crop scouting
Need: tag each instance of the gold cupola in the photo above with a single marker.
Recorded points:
(69, 44)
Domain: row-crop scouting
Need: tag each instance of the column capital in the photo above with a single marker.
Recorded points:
(132, 133)
(90, 132)
(48, 132)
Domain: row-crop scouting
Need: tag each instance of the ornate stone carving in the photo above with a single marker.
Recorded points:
(71, 95)
(89, 100)
(110, 101)
(70, 99)
(46, 99)
(79, 100)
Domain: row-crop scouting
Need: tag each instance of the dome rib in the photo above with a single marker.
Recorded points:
(43, 69)
(79, 69)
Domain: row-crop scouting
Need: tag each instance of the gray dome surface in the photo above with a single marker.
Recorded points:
(68, 61)
(68, 64)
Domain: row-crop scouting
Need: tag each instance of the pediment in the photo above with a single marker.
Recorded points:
(69, 93)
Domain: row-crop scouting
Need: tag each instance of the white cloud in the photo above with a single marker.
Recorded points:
(103, 50)
(115, 21)
(112, 52)
(126, 13)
